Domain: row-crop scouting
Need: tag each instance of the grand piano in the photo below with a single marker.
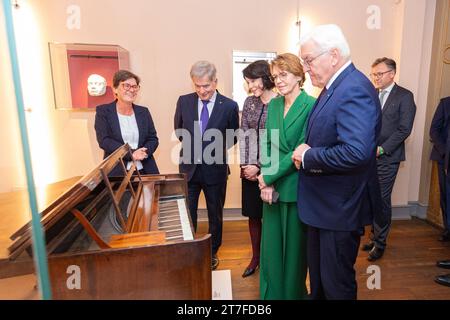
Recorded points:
(124, 237)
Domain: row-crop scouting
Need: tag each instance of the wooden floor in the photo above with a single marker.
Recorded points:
(407, 269)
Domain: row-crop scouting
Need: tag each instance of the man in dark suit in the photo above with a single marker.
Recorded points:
(439, 133)
(337, 163)
(398, 112)
(205, 123)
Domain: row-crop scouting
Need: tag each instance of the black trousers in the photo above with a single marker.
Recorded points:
(331, 259)
(215, 201)
(387, 172)
(444, 189)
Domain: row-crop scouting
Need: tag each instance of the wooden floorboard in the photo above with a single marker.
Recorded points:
(407, 269)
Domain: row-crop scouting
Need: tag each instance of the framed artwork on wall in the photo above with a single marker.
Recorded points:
(82, 74)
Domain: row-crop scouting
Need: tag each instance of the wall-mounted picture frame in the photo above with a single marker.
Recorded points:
(82, 74)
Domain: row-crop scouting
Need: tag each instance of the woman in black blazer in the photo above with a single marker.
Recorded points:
(123, 122)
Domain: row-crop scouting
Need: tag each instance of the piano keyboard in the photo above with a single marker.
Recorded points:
(173, 218)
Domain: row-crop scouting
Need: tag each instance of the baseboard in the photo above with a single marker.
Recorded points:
(413, 209)
(230, 214)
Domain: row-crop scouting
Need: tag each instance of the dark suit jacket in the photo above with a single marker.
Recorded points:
(439, 132)
(397, 122)
(109, 136)
(225, 115)
(343, 130)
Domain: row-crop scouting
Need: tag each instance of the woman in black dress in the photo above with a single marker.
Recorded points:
(254, 113)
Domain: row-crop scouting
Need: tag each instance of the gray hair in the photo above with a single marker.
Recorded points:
(327, 37)
(203, 68)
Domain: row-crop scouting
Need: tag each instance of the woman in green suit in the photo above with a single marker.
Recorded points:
(283, 243)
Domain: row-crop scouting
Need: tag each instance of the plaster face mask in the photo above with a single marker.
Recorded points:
(96, 85)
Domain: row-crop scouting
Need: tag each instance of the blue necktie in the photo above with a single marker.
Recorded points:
(204, 116)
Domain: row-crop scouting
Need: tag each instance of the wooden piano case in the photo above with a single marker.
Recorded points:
(122, 238)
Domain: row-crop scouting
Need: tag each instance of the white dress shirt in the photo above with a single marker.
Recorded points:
(210, 107)
(386, 96)
(130, 134)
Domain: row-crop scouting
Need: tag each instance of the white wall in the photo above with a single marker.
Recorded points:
(165, 37)
(414, 64)
(11, 168)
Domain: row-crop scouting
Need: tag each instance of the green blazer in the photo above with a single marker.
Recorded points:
(279, 141)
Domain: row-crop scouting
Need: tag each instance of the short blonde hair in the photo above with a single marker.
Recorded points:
(291, 63)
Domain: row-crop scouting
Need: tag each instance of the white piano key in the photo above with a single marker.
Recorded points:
(185, 224)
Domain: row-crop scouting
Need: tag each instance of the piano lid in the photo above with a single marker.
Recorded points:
(90, 186)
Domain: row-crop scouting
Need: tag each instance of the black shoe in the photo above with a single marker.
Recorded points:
(249, 271)
(443, 264)
(445, 236)
(444, 280)
(368, 246)
(214, 262)
(375, 254)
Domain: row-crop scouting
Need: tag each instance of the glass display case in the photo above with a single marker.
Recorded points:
(82, 74)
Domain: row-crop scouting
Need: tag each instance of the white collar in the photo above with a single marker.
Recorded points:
(389, 89)
(334, 77)
(211, 100)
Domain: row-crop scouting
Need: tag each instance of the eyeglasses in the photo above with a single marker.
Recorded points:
(282, 76)
(128, 86)
(307, 62)
(378, 75)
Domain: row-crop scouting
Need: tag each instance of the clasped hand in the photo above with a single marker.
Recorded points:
(250, 172)
(140, 154)
(267, 194)
(297, 155)
(266, 191)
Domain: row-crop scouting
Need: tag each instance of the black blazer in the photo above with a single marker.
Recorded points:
(225, 115)
(396, 123)
(439, 131)
(109, 136)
